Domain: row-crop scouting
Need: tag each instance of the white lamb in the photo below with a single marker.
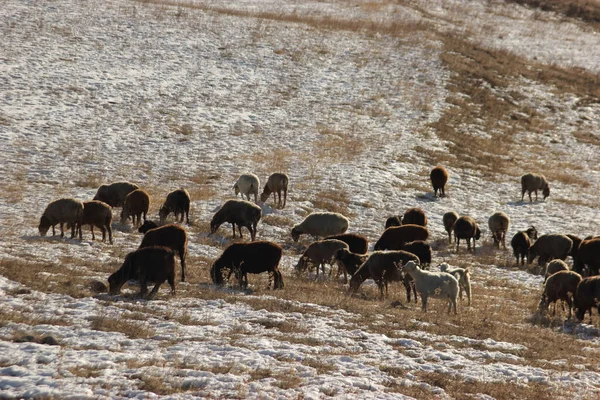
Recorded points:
(247, 184)
(463, 276)
(440, 285)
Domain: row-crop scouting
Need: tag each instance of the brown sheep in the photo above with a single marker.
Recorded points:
(587, 296)
(394, 237)
(549, 247)
(554, 266)
(588, 254)
(533, 183)
(237, 212)
(320, 253)
(177, 202)
(277, 183)
(439, 177)
(521, 242)
(348, 262)
(61, 211)
(150, 264)
(498, 224)
(560, 286)
(99, 214)
(135, 205)
(419, 248)
(171, 236)
(357, 243)
(449, 219)
(576, 242)
(394, 220)
(414, 216)
(114, 194)
(466, 228)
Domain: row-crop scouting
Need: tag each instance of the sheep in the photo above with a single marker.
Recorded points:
(414, 216)
(320, 253)
(549, 247)
(171, 236)
(533, 183)
(276, 183)
(463, 276)
(498, 224)
(115, 193)
(382, 266)
(135, 205)
(348, 262)
(439, 177)
(588, 254)
(149, 264)
(240, 213)
(99, 214)
(587, 296)
(449, 219)
(440, 285)
(321, 224)
(576, 242)
(357, 243)
(147, 225)
(554, 266)
(394, 220)
(244, 258)
(178, 202)
(521, 242)
(62, 211)
(247, 184)
(560, 286)
(419, 248)
(395, 236)
(466, 228)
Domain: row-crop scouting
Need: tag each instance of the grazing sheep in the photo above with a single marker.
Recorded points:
(414, 216)
(321, 224)
(533, 183)
(247, 184)
(560, 286)
(420, 249)
(99, 214)
(439, 177)
(549, 247)
(136, 204)
(147, 225)
(463, 276)
(357, 243)
(439, 285)
(115, 193)
(320, 253)
(348, 262)
(237, 212)
(521, 242)
(498, 224)
(276, 183)
(587, 296)
(382, 267)
(395, 220)
(395, 236)
(249, 258)
(588, 254)
(178, 202)
(150, 264)
(466, 228)
(449, 219)
(61, 211)
(554, 266)
(576, 242)
(171, 236)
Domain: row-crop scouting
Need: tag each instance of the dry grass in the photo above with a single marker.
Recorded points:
(130, 328)
(335, 200)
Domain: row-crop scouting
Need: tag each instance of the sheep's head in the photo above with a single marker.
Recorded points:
(532, 232)
(302, 264)
(147, 225)
(115, 282)
(477, 233)
(163, 212)
(216, 274)
(295, 234)
(236, 189)
(124, 215)
(531, 255)
(263, 196)
(546, 191)
(44, 225)
(410, 266)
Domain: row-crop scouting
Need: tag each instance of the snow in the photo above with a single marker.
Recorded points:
(100, 92)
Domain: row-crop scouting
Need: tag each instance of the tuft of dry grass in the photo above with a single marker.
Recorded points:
(335, 199)
(129, 328)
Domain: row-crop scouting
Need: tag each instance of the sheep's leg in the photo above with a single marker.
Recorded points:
(457, 240)
(182, 259)
(424, 301)
(233, 226)
(143, 286)
(536, 195)
(154, 290)
(93, 236)
(240, 231)
(62, 231)
(284, 197)
(171, 280)
(109, 233)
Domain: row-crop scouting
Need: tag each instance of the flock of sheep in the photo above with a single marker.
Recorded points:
(400, 254)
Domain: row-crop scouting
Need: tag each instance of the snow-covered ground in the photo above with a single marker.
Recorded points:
(168, 97)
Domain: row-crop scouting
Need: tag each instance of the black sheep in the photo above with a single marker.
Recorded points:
(237, 212)
(171, 236)
(357, 243)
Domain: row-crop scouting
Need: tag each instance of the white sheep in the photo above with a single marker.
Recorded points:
(321, 224)
(439, 285)
(247, 184)
(463, 276)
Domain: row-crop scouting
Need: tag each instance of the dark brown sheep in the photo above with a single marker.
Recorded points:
(62, 211)
(150, 264)
(147, 225)
(114, 194)
(576, 242)
(99, 214)
(277, 183)
(521, 242)
(171, 236)
(394, 220)
(533, 183)
(588, 255)
(135, 205)
(237, 212)
(466, 228)
(419, 248)
(357, 243)
(449, 219)
(560, 286)
(549, 247)
(249, 258)
(178, 203)
(439, 177)
(348, 262)
(414, 216)
(587, 296)
(394, 237)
